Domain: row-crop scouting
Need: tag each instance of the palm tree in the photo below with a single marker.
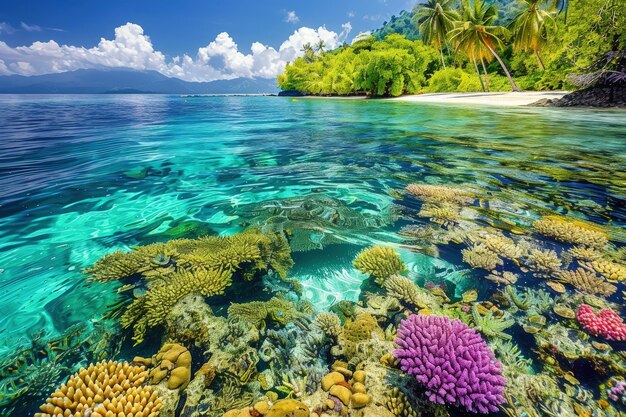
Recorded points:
(309, 52)
(476, 36)
(530, 28)
(436, 18)
(319, 46)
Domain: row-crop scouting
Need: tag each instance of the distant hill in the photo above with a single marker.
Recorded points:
(126, 81)
(405, 22)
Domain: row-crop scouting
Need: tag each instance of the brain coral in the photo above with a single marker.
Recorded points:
(104, 389)
(452, 361)
(381, 262)
(359, 330)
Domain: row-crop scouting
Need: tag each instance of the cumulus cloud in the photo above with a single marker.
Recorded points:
(132, 48)
(292, 17)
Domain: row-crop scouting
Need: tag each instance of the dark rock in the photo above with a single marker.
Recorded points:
(598, 96)
(290, 93)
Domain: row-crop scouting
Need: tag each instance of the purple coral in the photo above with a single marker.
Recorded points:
(452, 361)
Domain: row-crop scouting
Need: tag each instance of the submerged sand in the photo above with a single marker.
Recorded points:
(492, 99)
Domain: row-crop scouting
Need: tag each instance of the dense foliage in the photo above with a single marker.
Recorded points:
(468, 45)
(390, 67)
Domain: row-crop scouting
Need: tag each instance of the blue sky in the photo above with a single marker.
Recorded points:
(173, 29)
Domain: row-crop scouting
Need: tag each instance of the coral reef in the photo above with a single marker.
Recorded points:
(609, 270)
(407, 292)
(171, 364)
(380, 262)
(606, 324)
(204, 266)
(587, 281)
(479, 256)
(572, 231)
(104, 388)
(359, 330)
(543, 263)
(330, 324)
(471, 377)
(260, 313)
(439, 193)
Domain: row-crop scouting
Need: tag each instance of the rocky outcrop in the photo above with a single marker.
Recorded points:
(598, 96)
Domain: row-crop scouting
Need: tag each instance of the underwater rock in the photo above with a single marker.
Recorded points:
(380, 262)
(475, 383)
(606, 324)
(288, 408)
(104, 388)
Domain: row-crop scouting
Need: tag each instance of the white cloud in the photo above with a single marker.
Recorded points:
(31, 28)
(132, 48)
(292, 17)
(6, 28)
(350, 14)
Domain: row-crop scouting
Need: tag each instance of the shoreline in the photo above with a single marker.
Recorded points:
(500, 99)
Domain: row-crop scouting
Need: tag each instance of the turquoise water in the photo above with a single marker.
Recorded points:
(81, 176)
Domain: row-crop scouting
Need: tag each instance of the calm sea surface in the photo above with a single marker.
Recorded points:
(81, 176)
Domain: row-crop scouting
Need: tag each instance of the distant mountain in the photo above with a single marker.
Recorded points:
(126, 81)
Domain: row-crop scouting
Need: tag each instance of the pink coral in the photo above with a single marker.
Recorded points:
(452, 361)
(607, 324)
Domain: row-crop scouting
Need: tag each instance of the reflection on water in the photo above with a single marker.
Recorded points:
(83, 176)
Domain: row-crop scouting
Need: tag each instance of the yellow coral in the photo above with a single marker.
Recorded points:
(397, 402)
(330, 324)
(359, 330)
(258, 313)
(502, 246)
(104, 389)
(587, 281)
(172, 363)
(585, 253)
(479, 256)
(439, 193)
(380, 262)
(571, 230)
(151, 309)
(609, 270)
(405, 290)
(543, 263)
(440, 211)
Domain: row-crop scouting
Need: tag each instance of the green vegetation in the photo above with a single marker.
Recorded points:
(467, 45)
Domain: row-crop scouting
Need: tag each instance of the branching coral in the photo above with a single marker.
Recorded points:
(607, 323)
(408, 292)
(585, 253)
(489, 325)
(259, 313)
(439, 193)
(502, 246)
(106, 388)
(572, 231)
(479, 256)
(505, 277)
(380, 262)
(330, 324)
(204, 266)
(587, 281)
(544, 263)
(452, 361)
(440, 212)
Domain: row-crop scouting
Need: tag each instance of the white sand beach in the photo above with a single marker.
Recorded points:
(492, 99)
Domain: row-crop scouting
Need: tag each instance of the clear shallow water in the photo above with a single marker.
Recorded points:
(81, 176)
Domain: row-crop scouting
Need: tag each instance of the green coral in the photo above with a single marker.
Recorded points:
(489, 325)
(204, 266)
(260, 313)
(380, 262)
